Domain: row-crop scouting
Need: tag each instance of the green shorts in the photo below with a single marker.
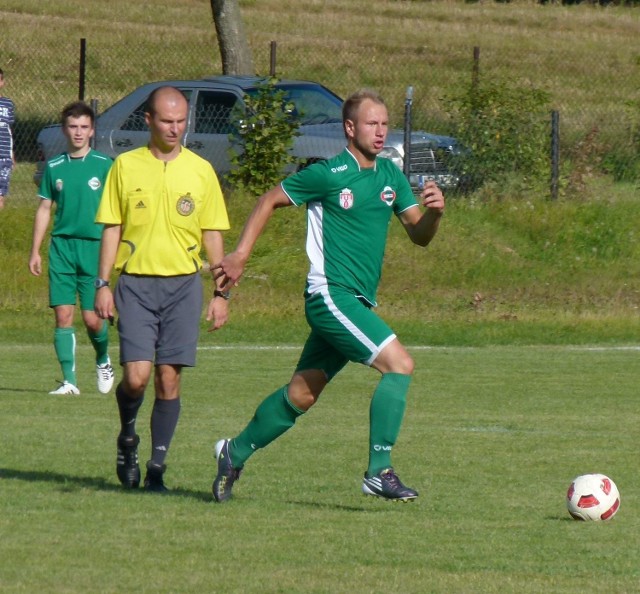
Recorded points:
(343, 328)
(73, 267)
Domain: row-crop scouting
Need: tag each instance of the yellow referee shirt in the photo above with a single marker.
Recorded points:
(163, 209)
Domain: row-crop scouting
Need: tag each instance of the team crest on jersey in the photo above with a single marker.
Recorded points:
(94, 183)
(388, 195)
(346, 198)
(59, 185)
(185, 205)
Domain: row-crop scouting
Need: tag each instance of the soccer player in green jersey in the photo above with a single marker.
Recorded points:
(74, 181)
(350, 200)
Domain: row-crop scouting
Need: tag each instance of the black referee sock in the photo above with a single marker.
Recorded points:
(164, 419)
(128, 408)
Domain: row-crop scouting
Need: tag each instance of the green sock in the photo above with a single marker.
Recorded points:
(100, 342)
(272, 418)
(385, 418)
(64, 341)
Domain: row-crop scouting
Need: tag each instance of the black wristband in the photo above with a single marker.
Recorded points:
(226, 295)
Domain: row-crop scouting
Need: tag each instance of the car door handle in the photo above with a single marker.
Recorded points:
(195, 145)
(125, 142)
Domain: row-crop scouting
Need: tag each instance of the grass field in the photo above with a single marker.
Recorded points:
(492, 437)
(523, 314)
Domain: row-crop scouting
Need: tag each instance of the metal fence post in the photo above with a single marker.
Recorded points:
(272, 58)
(406, 165)
(83, 68)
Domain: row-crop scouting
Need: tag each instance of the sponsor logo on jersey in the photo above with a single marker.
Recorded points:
(94, 183)
(388, 195)
(141, 204)
(346, 198)
(339, 168)
(185, 205)
(59, 185)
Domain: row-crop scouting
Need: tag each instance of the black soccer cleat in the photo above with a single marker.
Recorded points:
(127, 466)
(387, 485)
(227, 474)
(153, 481)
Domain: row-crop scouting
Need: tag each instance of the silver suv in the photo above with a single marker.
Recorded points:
(215, 101)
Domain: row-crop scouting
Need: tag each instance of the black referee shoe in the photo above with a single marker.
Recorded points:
(387, 485)
(127, 466)
(153, 481)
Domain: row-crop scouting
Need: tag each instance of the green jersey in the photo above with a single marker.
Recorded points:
(75, 185)
(348, 213)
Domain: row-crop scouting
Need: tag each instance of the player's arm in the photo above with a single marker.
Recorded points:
(217, 310)
(421, 227)
(228, 271)
(40, 225)
(108, 248)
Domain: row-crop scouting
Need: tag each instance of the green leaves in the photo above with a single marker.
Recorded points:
(506, 128)
(260, 147)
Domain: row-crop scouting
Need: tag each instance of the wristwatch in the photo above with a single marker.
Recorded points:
(100, 282)
(226, 295)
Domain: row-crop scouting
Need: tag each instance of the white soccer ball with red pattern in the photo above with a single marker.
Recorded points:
(593, 497)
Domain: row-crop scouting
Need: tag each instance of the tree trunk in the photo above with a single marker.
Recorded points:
(232, 41)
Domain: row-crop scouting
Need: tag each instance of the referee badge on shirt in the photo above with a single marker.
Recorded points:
(346, 198)
(185, 205)
(59, 185)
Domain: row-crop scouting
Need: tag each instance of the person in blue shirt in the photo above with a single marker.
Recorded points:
(7, 159)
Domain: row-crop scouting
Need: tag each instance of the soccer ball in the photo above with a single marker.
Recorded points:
(593, 497)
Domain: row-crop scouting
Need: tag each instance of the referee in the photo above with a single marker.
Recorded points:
(160, 205)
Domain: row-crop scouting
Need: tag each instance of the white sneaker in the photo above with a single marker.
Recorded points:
(66, 388)
(105, 376)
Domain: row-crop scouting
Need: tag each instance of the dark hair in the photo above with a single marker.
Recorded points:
(150, 105)
(353, 102)
(77, 109)
(1, 73)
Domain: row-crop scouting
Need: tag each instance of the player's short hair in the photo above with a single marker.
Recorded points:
(1, 73)
(150, 105)
(77, 109)
(352, 102)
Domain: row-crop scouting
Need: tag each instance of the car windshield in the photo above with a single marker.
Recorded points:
(313, 103)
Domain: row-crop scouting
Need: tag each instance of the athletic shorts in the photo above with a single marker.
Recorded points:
(343, 328)
(73, 267)
(159, 318)
(6, 166)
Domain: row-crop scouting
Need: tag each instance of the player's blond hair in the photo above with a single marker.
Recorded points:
(352, 103)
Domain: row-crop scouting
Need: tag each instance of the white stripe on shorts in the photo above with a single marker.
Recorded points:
(352, 328)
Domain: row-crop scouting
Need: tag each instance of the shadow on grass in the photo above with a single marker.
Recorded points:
(373, 506)
(16, 389)
(70, 483)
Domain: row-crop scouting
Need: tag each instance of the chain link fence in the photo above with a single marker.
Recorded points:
(49, 75)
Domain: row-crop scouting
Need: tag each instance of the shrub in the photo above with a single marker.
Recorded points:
(260, 146)
(506, 129)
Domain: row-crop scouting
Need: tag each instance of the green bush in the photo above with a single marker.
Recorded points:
(622, 160)
(506, 128)
(260, 147)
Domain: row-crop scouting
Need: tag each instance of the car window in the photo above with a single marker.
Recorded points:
(314, 104)
(213, 112)
(135, 121)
